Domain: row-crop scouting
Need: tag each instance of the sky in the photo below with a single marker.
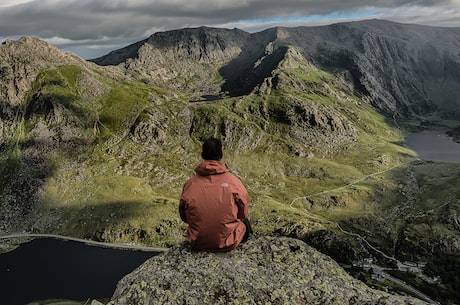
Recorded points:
(92, 28)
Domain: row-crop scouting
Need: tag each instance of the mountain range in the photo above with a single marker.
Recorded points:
(312, 120)
(399, 69)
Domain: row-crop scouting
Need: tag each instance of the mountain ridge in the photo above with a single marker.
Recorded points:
(369, 52)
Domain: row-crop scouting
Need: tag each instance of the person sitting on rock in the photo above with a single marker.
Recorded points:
(214, 204)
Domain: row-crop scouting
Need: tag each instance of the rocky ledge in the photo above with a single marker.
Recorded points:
(264, 270)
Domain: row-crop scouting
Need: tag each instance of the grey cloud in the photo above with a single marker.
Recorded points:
(83, 20)
(78, 19)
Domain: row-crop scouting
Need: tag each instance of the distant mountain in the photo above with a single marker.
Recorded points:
(401, 69)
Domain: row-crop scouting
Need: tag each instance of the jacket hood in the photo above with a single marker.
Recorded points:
(210, 167)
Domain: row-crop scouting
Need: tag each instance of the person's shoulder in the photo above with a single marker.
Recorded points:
(191, 180)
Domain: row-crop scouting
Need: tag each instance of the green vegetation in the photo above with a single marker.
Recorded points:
(445, 266)
(121, 107)
(112, 182)
(62, 81)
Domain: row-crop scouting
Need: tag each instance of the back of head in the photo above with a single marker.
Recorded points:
(212, 149)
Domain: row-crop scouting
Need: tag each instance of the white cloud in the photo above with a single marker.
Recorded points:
(6, 3)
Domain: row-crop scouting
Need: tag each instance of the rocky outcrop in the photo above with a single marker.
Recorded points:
(319, 127)
(264, 270)
(187, 59)
(21, 89)
(20, 63)
(451, 215)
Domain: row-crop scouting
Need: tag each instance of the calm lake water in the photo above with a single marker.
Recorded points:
(47, 268)
(434, 146)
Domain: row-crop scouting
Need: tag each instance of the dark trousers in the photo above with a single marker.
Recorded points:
(248, 229)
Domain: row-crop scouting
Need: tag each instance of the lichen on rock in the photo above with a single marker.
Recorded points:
(264, 270)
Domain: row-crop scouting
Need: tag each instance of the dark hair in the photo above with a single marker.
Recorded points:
(212, 149)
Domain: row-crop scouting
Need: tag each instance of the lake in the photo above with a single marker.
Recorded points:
(434, 145)
(47, 268)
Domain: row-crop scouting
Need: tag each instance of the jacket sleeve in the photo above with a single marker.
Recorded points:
(183, 204)
(182, 208)
(242, 201)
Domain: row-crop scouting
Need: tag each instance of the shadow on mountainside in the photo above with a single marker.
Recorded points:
(21, 181)
(40, 136)
(126, 221)
(244, 73)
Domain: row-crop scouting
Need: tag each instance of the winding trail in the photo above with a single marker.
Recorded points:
(349, 184)
(342, 188)
(367, 243)
(86, 241)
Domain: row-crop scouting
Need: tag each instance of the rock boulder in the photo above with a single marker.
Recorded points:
(264, 270)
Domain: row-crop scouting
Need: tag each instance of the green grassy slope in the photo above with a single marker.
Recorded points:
(118, 175)
(138, 144)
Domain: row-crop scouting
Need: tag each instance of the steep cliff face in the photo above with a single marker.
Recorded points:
(402, 69)
(261, 271)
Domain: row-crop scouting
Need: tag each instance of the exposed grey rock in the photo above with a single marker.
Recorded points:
(20, 63)
(452, 215)
(319, 126)
(401, 69)
(264, 270)
(187, 59)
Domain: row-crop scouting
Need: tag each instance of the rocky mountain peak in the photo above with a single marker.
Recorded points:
(20, 63)
(203, 44)
(282, 33)
(401, 69)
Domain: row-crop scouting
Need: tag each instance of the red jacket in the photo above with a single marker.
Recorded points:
(214, 203)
